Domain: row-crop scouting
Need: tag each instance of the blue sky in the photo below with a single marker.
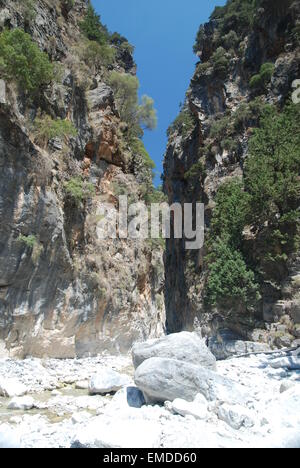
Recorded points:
(163, 33)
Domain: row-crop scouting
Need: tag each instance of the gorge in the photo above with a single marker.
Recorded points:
(73, 305)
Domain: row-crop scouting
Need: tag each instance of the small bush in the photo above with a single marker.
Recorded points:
(184, 124)
(260, 81)
(28, 241)
(121, 42)
(137, 147)
(220, 62)
(230, 40)
(28, 10)
(22, 61)
(196, 171)
(96, 55)
(46, 128)
(220, 128)
(229, 144)
(203, 67)
(79, 190)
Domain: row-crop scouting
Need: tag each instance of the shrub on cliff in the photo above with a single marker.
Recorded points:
(22, 61)
(138, 147)
(260, 81)
(79, 189)
(95, 55)
(220, 62)
(92, 27)
(136, 115)
(184, 123)
(46, 128)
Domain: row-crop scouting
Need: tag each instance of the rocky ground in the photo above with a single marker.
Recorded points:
(56, 407)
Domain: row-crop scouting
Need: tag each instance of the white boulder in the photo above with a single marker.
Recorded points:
(107, 382)
(163, 380)
(25, 403)
(11, 388)
(184, 346)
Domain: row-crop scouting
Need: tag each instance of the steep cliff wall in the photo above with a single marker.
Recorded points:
(246, 277)
(64, 292)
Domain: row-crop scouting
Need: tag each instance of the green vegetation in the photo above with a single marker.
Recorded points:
(235, 19)
(92, 27)
(28, 241)
(46, 128)
(230, 213)
(28, 10)
(249, 113)
(79, 189)
(236, 15)
(136, 115)
(230, 40)
(196, 171)
(96, 55)
(138, 147)
(220, 62)
(230, 282)
(273, 165)
(220, 128)
(184, 124)
(154, 195)
(260, 82)
(268, 200)
(121, 42)
(22, 61)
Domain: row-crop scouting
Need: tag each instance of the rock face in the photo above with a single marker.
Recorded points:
(163, 380)
(184, 346)
(202, 155)
(72, 293)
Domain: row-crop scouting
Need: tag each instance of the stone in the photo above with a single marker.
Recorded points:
(9, 438)
(197, 409)
(21, 403)
(167, 379)
(128, 397)
(11, 388)
(82, 385)
(112, 433)
(184, 346)
(227, 344)
(78, 418)
(290, 363)
(286, 385)
(236, 416)
(106, 382)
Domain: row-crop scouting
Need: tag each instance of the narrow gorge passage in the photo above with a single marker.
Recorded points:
(111, 335)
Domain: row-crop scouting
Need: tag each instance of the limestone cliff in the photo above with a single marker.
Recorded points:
(63, 291)
(249, 54)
